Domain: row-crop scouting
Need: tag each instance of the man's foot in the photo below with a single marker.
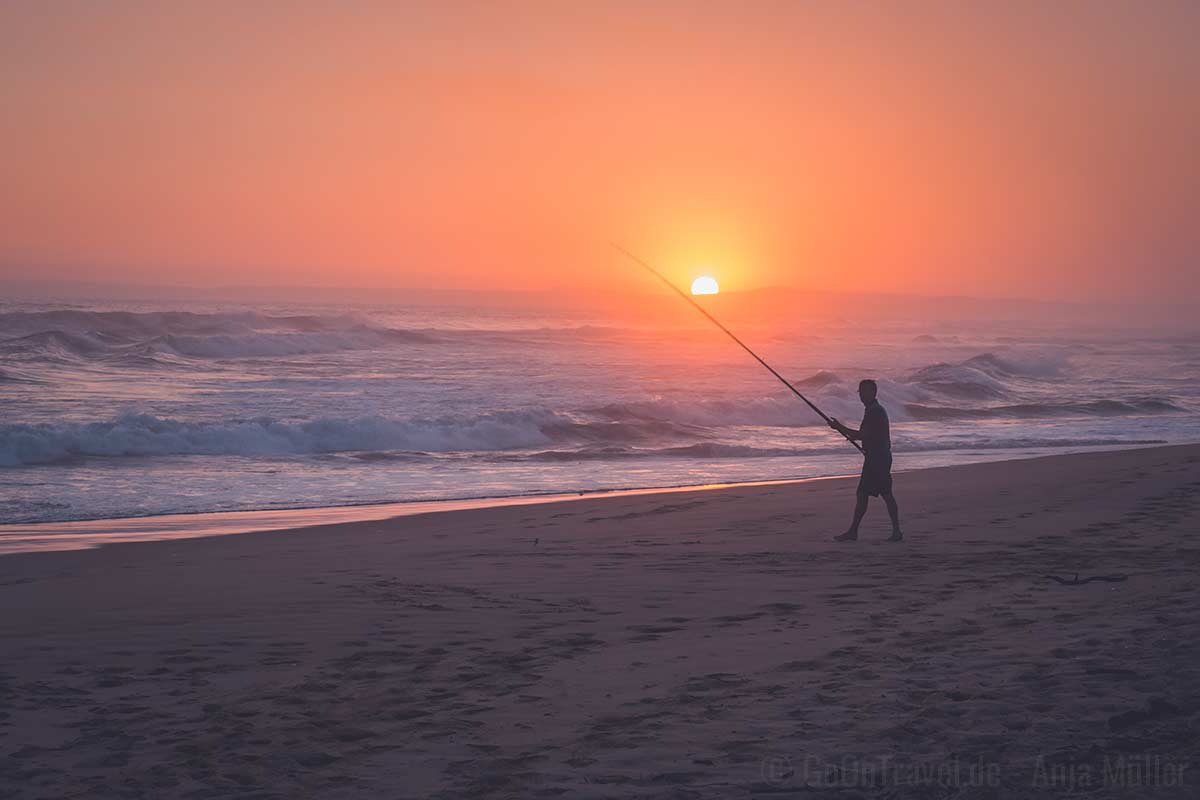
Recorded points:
(848, 536)
(896, 536)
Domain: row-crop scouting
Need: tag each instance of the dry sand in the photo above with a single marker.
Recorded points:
(708, 644)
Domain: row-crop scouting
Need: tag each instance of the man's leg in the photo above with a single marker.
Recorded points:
(894, 512)
(860, 508)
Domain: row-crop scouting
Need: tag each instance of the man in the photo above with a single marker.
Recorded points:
(876, 480)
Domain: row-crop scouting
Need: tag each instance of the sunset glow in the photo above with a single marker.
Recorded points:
(806, 144)
(705, 285)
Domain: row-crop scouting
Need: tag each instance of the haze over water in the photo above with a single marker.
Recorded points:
(135, 408)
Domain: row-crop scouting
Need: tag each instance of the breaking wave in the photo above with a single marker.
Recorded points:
(73, 336)
(1107, 408)
(550, 435)
(986, 376)
(148, 435)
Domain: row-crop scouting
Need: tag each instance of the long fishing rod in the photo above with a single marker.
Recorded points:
(731, 335)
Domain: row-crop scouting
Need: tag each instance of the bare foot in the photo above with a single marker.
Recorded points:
(848, 536)
(896, 536)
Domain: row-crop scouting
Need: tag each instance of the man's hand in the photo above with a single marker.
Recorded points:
(837, 426)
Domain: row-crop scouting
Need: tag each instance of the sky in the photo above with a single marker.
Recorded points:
(1018, 149)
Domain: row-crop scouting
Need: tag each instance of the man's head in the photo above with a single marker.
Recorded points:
(867, 391)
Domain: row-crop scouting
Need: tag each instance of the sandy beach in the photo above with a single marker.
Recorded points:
(692, 645)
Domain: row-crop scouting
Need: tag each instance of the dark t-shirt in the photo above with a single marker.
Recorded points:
(876, 432)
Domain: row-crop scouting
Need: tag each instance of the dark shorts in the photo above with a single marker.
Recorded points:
(876, 475)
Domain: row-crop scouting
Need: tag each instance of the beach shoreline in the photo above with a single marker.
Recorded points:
(86, 533)
(83, 534)
(687, 644)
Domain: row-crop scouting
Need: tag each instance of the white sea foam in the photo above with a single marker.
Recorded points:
(148, 435)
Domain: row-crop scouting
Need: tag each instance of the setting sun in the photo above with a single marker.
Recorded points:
(705, 285)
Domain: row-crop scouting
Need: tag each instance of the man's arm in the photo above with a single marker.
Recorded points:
(851, 433)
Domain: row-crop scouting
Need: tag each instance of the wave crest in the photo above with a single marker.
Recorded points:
(142, 338)
(148, 435)
(1107, 408)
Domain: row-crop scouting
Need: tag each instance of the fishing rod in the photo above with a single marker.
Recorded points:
(731, 335)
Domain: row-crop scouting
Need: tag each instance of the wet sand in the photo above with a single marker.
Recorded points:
(700, 644)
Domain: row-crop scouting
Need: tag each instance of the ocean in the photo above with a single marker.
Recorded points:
(131, 409)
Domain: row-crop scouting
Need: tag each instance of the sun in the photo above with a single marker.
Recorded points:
(705, 285)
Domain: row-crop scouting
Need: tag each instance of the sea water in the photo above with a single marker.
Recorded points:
(130, 409)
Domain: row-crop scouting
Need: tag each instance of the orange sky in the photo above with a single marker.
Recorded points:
(1014, 149)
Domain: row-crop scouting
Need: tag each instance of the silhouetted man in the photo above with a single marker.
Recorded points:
(876, 480)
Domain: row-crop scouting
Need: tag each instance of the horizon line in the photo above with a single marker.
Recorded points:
(51, 283)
